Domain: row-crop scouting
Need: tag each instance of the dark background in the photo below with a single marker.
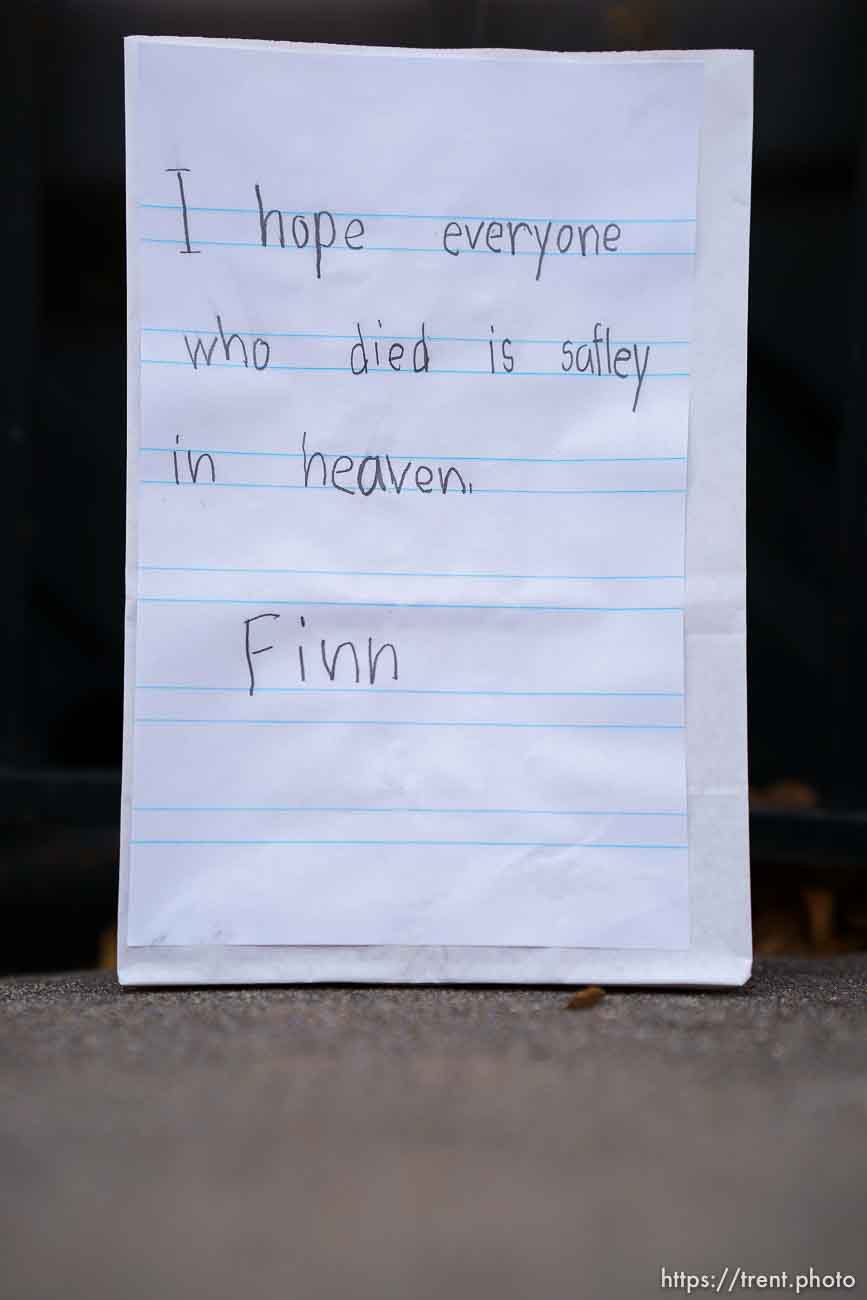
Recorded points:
(62, 426)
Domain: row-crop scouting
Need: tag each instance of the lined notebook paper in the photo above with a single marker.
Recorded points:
(412, 365)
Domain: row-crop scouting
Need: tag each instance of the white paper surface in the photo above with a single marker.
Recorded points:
(505, 783)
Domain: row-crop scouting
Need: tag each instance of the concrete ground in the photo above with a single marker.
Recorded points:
(412, 1143)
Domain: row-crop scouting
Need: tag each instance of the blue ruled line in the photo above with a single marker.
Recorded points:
(411, 722)
(434, 370)
(399, 690)
(518, 460)
(416, 604)
(356, 808)
(443, 216)
(399, 248)
(407, 338)
(448, 492)
(525, 844)
(422, 573)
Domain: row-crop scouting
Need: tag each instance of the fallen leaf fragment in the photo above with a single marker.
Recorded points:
(585, 998)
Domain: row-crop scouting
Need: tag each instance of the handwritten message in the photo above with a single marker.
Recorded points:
(409, 476)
